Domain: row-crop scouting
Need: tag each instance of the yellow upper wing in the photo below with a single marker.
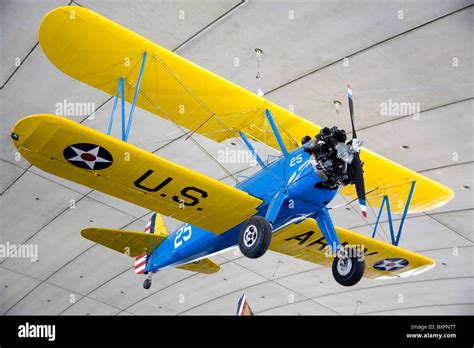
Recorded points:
(97, 51)
(305, 241)
(88, 157)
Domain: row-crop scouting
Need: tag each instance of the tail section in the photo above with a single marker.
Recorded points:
(133, 244)
(155, 224)
(141, 244)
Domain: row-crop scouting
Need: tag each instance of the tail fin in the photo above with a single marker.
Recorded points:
(243, 308)
(155, 224)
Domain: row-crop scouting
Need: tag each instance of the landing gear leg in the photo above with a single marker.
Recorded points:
(349, 264)
(147, 282)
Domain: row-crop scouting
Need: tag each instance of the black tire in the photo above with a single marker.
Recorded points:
(147, 284)
(352, 275)
(255, 237)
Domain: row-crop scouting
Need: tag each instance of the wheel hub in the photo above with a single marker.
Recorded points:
(344, 266)
(250, 235)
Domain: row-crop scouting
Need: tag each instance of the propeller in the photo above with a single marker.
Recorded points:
(356, 162)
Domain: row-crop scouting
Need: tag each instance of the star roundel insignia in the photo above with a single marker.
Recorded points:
(391, 264)
(88, 156)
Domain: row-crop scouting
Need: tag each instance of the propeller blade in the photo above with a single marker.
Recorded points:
(356, 162)
(359, 183)
(351, 110)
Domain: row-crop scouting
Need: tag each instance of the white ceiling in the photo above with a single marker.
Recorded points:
(407, 59)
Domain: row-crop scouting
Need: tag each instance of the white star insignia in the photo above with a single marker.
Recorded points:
(90, 157)
(391, 265)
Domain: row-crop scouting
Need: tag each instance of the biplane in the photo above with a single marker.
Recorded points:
(284, 207)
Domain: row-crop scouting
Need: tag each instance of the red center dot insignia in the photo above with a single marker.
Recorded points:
(88, 157)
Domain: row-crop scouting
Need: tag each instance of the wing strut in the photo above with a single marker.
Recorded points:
(395, 239)
(328, 230)
(276, 132)
(121, 91)
(252, 150)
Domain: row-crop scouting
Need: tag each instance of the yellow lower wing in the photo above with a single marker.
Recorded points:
(126, 242)
(97, 51)
(206, 266)
(305, 241)
(101, 162)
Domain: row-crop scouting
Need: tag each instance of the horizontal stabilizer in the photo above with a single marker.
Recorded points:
(206, 266)
(126, 242)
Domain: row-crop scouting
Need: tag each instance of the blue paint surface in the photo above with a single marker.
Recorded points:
(292, 175)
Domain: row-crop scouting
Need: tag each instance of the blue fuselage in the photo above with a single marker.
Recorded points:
(292, 175)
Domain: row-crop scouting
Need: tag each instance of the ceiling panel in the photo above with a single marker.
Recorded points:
(45, 300)
(86, 306)
(297, 37)
(317, 282)
(459, 221)
(275, 265)
(396, 71)
(166, 22)
(436, 292)
(60, 241)
(13, 286)
(31, 193)
(81, 275)
(18, 39)
(445, 131)
(306, 307)
(126, 289)
(10, 173)
(186, 295)
(260, 298)
(460, 178)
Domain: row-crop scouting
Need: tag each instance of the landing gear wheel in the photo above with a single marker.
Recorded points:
(348, 267)
(255, 237)
(147, 283)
